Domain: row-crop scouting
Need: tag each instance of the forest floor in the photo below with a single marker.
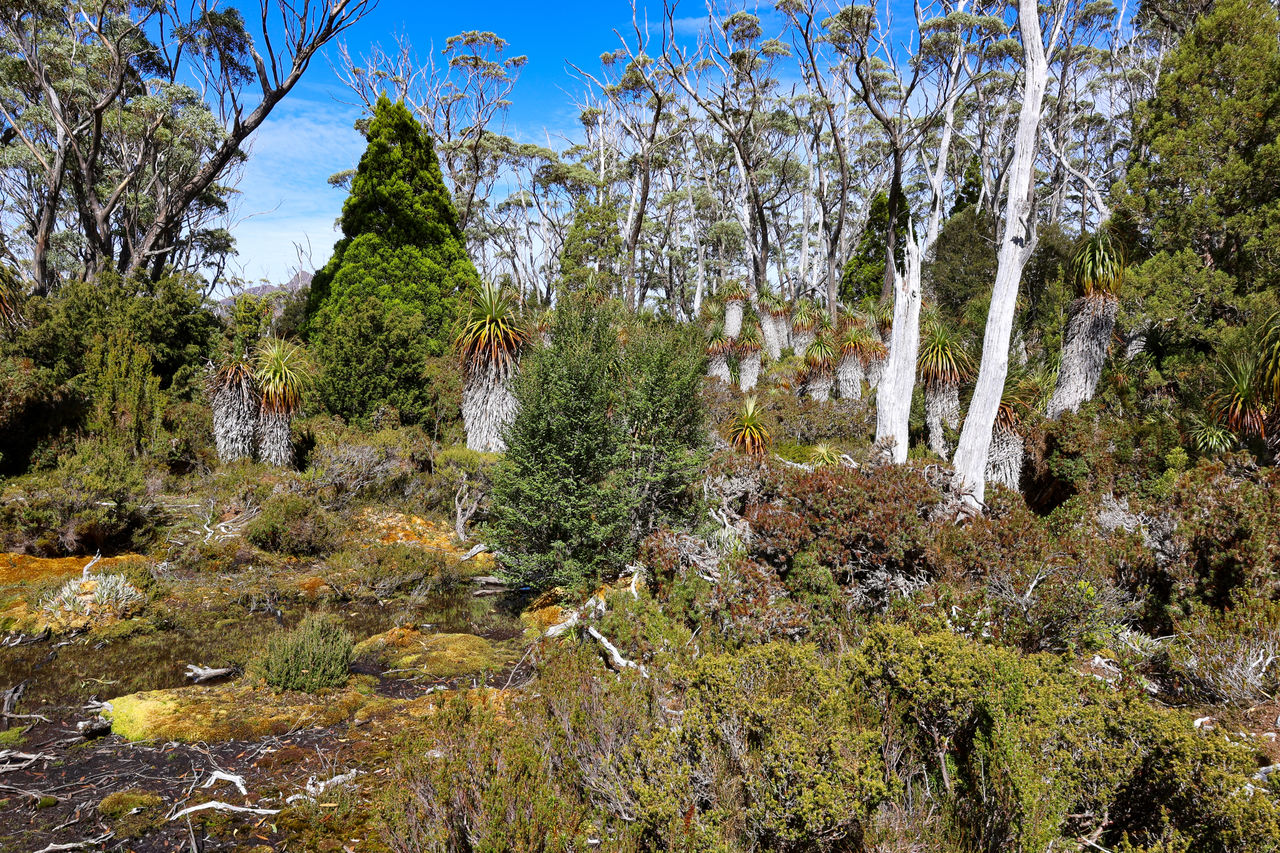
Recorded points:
(270, 755)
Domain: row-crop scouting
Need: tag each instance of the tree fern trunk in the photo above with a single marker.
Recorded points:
(849, 373)
(1084, 351)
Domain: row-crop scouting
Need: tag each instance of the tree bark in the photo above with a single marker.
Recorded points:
(275, 441)
(749, 370)
(1016, 244)
(849, 375)
(1004, 463)
(235, 420)
(488, 406)
(1084, 351)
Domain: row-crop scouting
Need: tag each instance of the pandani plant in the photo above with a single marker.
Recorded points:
(1241, 402)
(283, 374)
(748, 347)
(747, 432)
(233, 396)
(1097, 270)
(734, 296)
(880, 313)
(859, 347)
(1008, 447)
(942, 366)
(804, 325)
(719, 346)
(775, 323)
(819, 368)
(491, 339)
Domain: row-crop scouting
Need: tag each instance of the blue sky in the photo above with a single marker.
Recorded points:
(285, 198)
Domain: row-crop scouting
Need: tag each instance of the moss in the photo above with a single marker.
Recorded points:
(12, 737)
(239, 710)
(435, 655)
(132, 812)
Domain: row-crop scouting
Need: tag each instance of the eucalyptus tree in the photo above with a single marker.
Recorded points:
(1017, 242)
(732, 77)
(132, 115)
(908, 100)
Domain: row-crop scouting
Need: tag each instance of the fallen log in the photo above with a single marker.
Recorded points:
(200, 674)
(222, 807)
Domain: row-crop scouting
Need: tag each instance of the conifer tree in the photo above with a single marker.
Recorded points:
(401, 246)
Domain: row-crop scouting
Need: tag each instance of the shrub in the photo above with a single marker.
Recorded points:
(314, 656)
(604, 447)
(96, 500)
(295, 525)
(93, 598)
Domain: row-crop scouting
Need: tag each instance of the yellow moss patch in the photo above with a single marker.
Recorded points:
(312, 586)
(543, 618)
(132, 812)
(239, 710)
(21, 568)
(436, 655)
(390, 528)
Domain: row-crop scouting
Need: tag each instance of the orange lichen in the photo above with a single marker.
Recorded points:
(395, 528)
(22, 568)
(312, 586)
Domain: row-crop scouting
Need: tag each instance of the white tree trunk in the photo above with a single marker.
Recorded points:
(749, 370)
(275, 440)
(732, 319)
(818, 386)
(941, 412)
(1015, 247)
(1084, 351)
(1004, 463)
(718, 368)
(893, 393)
(235, 421)
(488, 406)
(849, 373)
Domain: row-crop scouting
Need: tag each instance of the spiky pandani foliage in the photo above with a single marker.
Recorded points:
(1097, 267)
(1209, 436)
(748, 433)
(824, 456)
(1241, 402)
(806, 317)
(284, 374)
(942, 360)
(819, 361)
(881, 312)
(492, 336)
(233, 394)
(748, 345)
(1269, 359)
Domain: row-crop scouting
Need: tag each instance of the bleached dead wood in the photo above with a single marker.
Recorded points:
(222, 807)
(220, 776)
(206, 673)
(613, 657)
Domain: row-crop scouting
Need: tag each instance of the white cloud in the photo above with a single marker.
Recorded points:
(284, 195)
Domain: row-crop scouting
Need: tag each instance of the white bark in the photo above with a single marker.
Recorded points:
(771, 331)
(941, 412)
(800, 340)
(1004, 463)
(732, 319)
(893, 393)
(849, 373)
(718, 368)
(749, 370)
(1015, 247)
(818, 386)
(488, 406)
(235, 421)
(275, 441)
(1084, 351)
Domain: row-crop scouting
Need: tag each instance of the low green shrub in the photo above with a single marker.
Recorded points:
(295, 525)
(96, 500)
(314, 656)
